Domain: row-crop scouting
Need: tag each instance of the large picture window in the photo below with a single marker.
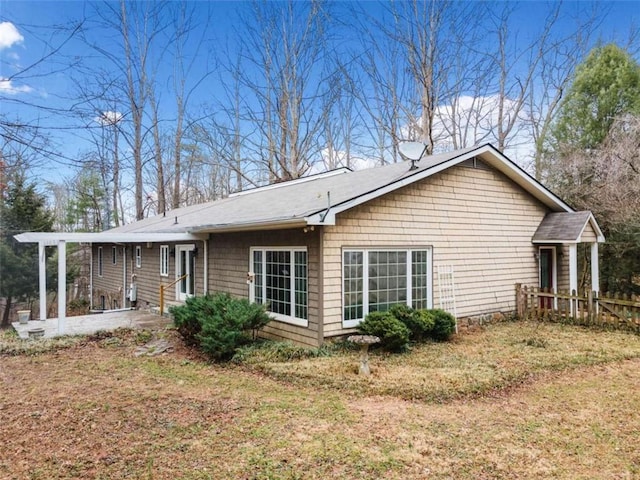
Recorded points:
(280, 281)
(374, 280)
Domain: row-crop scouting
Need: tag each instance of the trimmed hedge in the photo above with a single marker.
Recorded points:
(401, 323)
(393, 334)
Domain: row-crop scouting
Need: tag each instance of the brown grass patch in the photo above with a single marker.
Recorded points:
(96, 411)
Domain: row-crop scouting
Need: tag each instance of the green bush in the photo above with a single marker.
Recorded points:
(444, 325)
(219, 323)
(394, 335)
(419, 322)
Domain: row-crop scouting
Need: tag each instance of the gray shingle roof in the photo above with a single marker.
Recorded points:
(285, 202)
(561, 227)
(305, 201)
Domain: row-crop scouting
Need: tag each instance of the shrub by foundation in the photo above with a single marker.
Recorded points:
(219, 323)
(393, 334)
(444, 325)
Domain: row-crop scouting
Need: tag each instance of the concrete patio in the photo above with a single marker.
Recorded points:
(88, 324)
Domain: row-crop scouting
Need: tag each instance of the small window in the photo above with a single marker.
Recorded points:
(103, 302)
(138, 256)
(114, 255)
(99, 261)
(164, 260)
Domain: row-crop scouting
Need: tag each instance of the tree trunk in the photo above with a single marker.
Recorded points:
(7, 311)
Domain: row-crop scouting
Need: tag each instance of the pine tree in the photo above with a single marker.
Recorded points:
(22, 209)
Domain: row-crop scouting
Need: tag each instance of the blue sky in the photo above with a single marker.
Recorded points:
(53, 85)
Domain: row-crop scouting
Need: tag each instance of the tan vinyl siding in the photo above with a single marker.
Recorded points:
(110, 284)
(148, 278)
(229, 264)
(588, 235)
(473, 218)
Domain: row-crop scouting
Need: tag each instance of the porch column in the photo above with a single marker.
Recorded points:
(595, 271)
(573, 270)
(42, 277)
(62, 285)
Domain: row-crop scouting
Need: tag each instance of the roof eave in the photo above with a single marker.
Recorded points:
(493, 156)
(52, 238)
(279, 224)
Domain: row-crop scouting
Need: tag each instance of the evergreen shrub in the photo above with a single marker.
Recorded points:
(219, 323)
(444, 325)
(393, 334)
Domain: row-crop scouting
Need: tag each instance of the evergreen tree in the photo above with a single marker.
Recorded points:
(22, 209)
(595, 160)
(606, 86)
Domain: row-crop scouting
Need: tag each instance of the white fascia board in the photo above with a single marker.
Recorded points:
(554, 242)
(324, 218)
(596, 228)
(496, 160)
(522, 178)
(52, 238)
(250, 226)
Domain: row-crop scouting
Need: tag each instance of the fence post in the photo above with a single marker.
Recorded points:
(519, 306)
(590, 307)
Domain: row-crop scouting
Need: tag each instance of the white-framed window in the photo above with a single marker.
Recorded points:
(164, 260)
(138, 256)
(114, 256)
(99, 261)
(374, 279)
(280, 280)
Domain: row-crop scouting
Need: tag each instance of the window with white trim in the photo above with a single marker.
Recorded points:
(376, 279)
(138, 256)
(99, 261)
(280, 281)
(164, 260)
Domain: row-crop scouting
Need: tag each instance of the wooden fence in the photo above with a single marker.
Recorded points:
(590, 308)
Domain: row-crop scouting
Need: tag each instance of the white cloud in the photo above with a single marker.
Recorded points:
(340, 160)
(9, 35)
(108, 118)
(6, 86)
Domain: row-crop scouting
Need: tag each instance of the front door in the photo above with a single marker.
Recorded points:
(185, 271)
(547, 274)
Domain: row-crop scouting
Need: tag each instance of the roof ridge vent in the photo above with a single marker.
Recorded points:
(273, 186)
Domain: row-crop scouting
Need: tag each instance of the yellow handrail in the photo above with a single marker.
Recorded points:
(162, 288)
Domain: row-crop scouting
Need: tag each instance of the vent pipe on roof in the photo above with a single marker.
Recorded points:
(324, 215)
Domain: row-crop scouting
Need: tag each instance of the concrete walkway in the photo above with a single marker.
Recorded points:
(88, 324)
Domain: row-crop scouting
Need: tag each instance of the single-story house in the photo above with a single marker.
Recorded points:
(459, 231)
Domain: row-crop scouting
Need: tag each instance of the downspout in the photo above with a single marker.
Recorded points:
(91, 276)
(124, 276)
(320, 308)
(205, 282)
(324, 215)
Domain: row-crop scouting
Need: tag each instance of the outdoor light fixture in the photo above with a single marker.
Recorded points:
(412, 151)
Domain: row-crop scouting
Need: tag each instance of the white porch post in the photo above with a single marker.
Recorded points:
(62, 285)
(573, 271)
(595, 271)
(42, 277)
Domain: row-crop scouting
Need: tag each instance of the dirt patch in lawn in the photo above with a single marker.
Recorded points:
(95, 410)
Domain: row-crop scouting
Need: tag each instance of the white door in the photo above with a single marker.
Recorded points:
(185, 267)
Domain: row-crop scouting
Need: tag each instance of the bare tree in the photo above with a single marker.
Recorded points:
(283, 47)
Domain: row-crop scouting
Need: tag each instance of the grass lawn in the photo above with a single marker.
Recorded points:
(515, 400)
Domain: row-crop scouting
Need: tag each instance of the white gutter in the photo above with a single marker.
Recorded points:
(52, 238)
(240, 227)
